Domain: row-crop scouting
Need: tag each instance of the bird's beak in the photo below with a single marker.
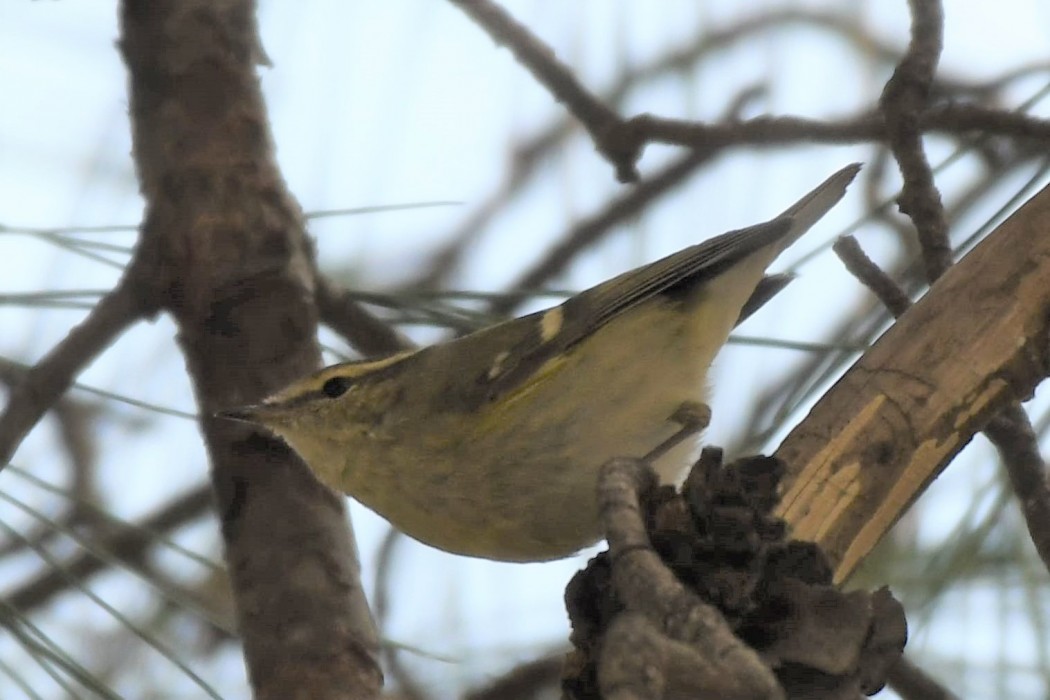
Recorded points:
(256, 414)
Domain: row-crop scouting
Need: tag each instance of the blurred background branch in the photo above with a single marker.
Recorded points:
(412, 103)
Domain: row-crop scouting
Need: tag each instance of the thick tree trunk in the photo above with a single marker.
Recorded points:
(225, 245)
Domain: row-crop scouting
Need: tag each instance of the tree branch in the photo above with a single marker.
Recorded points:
(902, 103)
(42, 385)
(604, 125)
(227, 244)
(587, 231)
(968, 349)
(369, 334)
(1012, 434)
(130, 545)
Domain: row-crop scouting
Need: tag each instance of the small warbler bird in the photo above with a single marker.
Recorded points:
(490, 445)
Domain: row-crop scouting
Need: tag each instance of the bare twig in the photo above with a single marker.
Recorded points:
(1012, 434)
(527, 156)
(76, 422)
(369, 334)
(130, 545)
(587, 231)
(53, 374)
(903, 101)
(605, 126)
(956, 120)
(871, 275)
(621, 141)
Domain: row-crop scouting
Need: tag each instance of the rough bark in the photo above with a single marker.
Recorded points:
(230, 261)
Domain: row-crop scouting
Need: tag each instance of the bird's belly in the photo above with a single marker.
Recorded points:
(522, 487)
(525, 489)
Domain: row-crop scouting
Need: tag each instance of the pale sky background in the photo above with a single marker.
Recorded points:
(402, 101)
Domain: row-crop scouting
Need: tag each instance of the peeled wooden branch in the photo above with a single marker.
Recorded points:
(875, 441)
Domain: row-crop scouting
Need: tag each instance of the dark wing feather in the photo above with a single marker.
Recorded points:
(588, 311)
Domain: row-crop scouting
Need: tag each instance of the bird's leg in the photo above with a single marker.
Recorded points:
(693, 416)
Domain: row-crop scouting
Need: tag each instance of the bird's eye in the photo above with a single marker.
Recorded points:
(335, 387)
